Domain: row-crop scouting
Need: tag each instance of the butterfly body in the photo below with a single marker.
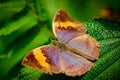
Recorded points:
(72, 54)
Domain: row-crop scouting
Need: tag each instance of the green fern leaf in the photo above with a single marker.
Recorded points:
(14, 25)
(27, 71)
(9, 8)
(14, 29)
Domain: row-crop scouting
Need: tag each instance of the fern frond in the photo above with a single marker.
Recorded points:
(9, 8)
(11, 26)
(24, 27)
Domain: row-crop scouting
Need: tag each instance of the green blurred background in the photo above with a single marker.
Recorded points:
(27, 24)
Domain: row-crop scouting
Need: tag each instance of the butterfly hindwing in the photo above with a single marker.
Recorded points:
(74, 65)
(86, 46)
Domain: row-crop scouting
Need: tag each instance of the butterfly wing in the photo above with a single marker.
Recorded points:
(50, 59)
(86, 46)
(74, 65)
(45, 58)
(65, 28)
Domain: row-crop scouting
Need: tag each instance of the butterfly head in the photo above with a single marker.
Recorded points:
(59, 44)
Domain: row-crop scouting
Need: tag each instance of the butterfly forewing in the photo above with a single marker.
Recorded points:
(45, 58)
(65, 28)
(86, 46)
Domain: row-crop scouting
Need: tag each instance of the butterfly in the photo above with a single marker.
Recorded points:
(72, 53)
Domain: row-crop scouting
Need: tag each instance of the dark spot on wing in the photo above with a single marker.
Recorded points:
(49, 55)
(68, 28)
(59, 28)
(45, 53)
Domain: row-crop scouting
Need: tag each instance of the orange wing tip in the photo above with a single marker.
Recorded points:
(37, 59)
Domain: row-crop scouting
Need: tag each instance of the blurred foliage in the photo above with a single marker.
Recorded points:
(25, 25)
